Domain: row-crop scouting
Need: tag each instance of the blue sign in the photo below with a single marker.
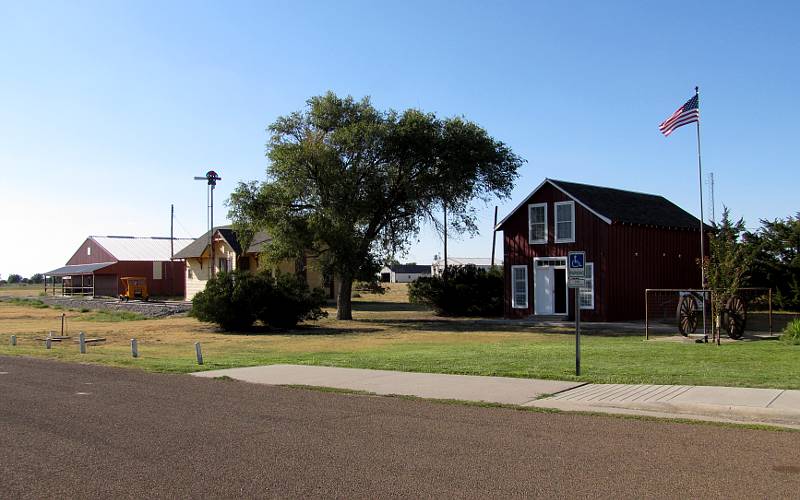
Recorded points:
(576, 264)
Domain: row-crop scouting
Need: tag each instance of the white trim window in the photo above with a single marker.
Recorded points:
(519, 287)
(565, 221)
(586, 294)
(537, 223)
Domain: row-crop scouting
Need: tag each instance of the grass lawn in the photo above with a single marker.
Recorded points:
(22, 290)
(389, 333)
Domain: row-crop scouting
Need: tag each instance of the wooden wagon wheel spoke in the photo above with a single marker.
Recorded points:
(687, 315)
(735, 318)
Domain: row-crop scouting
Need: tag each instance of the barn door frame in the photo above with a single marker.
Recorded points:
(550, 264)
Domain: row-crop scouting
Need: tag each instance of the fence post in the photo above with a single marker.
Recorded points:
(134, 348)
(82, 343)
(48, 343)
(646, 318)
(199, 353)
(770, 312)
(13, 340)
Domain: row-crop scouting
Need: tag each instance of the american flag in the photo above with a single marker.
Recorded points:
(688, 113)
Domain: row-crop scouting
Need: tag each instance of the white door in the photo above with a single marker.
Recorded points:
(544, 288)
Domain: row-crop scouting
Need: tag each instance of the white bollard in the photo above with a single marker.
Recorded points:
(13, 340)
(82, 342)
(134, 348)
(199, 353)
(48, 343)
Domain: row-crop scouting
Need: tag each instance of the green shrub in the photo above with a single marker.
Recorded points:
(235, 300)
(290, 301)
(230, 299)
(791, 334)
(461, 291)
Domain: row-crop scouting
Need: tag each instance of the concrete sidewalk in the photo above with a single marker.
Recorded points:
(721, 404)
(515, 391)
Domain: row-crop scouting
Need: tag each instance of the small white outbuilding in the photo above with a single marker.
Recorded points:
(404, 273)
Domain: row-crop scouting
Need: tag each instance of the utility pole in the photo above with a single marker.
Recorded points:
(172, 231)
(211, 177)
(444, 207)
(494, 233)
(713, 204)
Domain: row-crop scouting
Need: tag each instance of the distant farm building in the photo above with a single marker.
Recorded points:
(230, 255)
(100, 262)
(404, 273)
(481, 263)
(633, 241)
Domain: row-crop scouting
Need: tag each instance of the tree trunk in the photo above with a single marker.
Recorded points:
(344, 309)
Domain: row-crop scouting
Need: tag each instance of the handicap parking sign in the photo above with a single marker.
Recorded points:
(577, 264)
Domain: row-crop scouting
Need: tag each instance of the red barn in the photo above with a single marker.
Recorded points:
(99, 263)
(633, 241)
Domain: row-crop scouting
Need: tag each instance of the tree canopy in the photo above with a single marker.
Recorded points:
(353, 184)
(777, 259)
(728, 264)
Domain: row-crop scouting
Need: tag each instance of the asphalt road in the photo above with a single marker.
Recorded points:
(69, 430)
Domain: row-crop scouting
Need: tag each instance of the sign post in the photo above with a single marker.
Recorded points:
(576, 279)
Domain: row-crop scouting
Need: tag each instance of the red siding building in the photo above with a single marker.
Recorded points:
(99, 263)
(633, 241)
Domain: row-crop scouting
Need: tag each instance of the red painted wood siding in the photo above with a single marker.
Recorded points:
(98, 254)
(649, 257)
(627, 259)
(591, 235)
(172, 283)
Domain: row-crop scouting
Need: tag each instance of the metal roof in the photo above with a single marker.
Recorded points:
(78, 269)
(410, 268)
(133, 248)
(619, 206)
(463, 261)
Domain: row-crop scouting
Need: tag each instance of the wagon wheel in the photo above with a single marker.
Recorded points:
(687, 315)
(735, 317)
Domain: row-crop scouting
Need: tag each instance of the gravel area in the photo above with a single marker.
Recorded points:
(150, 309)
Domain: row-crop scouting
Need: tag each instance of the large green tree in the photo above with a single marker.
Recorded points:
(777, 259)
(354, 184)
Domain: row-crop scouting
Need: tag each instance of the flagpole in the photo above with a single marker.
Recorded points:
(702, 236)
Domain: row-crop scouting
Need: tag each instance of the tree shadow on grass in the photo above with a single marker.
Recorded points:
(301, 330)
(376, 306)
(446, 324)
(457, 325)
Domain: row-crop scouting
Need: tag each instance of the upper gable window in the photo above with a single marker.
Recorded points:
(88, 250)
(565, 221)
(537, 223)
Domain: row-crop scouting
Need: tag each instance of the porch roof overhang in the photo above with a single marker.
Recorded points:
(77, 269)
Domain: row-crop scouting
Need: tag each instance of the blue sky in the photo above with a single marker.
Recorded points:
(110, 108)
